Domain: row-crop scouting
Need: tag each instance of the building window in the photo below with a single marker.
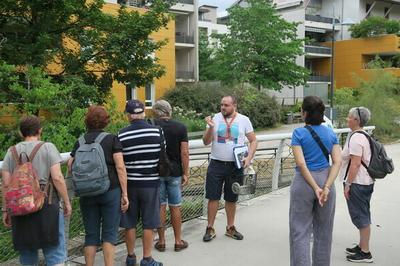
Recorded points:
(150, 94)
(367, 8)
(386, 13)
(130, 92)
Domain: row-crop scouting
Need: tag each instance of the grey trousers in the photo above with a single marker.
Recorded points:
(306, 216)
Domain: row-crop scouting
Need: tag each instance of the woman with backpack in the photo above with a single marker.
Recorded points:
(101, 206)
(33, 166)
(312, 193)
(358, 184)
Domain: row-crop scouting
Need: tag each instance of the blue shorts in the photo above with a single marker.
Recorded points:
(359, 204)
(222, 175)
(53, 255)
(101, 215)
(170, 191)
(144, 202)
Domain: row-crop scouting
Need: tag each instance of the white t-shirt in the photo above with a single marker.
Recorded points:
(359, 146)
(225, 140)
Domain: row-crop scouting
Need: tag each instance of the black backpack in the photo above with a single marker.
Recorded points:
(380, 164)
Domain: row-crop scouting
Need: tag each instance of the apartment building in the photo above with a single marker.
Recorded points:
(209, 23)
(179, 55)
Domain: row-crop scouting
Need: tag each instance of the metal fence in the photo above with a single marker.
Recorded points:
(273, 163)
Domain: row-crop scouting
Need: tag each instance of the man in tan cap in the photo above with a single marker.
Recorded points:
(171, 186)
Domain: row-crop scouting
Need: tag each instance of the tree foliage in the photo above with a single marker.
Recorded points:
(207, 60)
(375, 26)
(80, 39)
(261, 48)
(33, 90)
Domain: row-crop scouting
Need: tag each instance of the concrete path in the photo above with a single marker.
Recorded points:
(264, 223)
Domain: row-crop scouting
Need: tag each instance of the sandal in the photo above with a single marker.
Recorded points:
(183, 245)
(159, 247)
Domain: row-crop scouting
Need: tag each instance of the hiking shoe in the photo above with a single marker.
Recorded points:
(209, 235)
(131, 261)
(152, 262)
(353, 251)
(231, 232)
(361, 257)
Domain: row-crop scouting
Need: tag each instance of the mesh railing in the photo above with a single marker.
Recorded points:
(194, 203)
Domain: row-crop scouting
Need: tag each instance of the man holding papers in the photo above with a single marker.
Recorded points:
(225, 131)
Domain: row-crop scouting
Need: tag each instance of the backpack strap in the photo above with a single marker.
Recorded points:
(100, 137)
(82, 140)
(318, 141)
(14, 153)
(370, 145)
(35, 150)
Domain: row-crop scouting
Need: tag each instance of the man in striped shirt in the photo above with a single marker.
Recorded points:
(141, 144)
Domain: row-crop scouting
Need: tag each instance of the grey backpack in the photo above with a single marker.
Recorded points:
(89, 169)
(380, 164)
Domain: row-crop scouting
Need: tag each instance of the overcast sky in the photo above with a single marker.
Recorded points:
(221, 4)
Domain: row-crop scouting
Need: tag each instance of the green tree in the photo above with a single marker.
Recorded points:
(207, 61)
(261, 48)
(374, 26)
(33, 90)
(78, 36)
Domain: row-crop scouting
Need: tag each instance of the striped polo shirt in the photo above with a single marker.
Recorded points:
(141, 150)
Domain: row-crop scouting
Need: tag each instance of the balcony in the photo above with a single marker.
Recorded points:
(319, 24)
(316, 51)
(185, 76)
(189, 2)
(316, 78)
(316, 18)
(182, 37)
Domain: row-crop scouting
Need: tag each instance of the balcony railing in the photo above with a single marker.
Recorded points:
(190, 2)
(318, 50)
(316, 18)
(181, 37)
(185, 74)
(317, 78)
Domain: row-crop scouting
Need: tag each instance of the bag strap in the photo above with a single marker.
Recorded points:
(370, 145)
(35, 150)
(82, 140)
(318, 141)
(14, 153)
(100, 137)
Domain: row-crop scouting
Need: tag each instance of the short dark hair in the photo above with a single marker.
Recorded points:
(314, 108)
(29, 126)
(234, 100)
(96, 117)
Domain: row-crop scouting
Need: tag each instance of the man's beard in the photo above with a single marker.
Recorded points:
(227, 115)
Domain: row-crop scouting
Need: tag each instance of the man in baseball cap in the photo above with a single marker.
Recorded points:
(141, 144)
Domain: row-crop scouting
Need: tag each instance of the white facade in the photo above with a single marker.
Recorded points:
(208, 23)
(186, 40)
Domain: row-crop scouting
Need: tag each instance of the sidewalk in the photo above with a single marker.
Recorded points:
(264, 223)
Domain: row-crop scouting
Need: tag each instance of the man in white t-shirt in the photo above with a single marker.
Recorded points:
(226, 130)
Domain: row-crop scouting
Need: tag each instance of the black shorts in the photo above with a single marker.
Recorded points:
(222, 174)
(144, 203)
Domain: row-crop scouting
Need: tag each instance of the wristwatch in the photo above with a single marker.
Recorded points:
(347, 184)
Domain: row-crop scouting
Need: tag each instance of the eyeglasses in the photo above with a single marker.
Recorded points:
(359, 113)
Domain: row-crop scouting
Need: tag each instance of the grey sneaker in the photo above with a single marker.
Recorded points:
(232, 232)
(209, 235)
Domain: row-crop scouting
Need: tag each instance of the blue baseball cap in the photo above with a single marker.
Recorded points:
(134, 107)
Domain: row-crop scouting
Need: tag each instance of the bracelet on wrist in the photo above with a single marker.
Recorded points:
(347, 184)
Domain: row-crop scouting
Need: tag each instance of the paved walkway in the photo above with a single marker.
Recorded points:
(264, 223)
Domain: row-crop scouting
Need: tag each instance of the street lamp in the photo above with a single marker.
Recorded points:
(345, 22)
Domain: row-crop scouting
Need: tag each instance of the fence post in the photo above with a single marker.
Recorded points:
(277, 166)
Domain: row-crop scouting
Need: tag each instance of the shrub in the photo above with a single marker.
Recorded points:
(205, 99)
(374, 26)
